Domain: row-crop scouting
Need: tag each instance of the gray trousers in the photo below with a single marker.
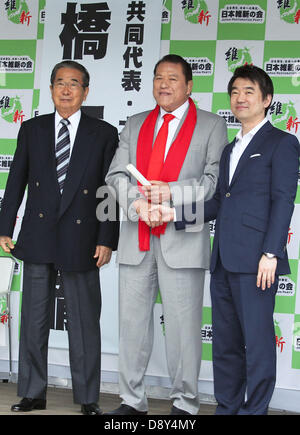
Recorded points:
(182, 297)
(83, 305)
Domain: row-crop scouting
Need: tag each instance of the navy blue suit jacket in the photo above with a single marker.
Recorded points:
(253, 213)
(60, 229)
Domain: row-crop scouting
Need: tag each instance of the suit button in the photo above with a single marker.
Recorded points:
(85, 191)
(227, 195)
(78, 221)
(41, 215)
(37, 184)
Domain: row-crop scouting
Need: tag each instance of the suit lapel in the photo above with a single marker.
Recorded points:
(180, 124)
(253, 145)
(46, 151)
(227, 162)
(80, 155)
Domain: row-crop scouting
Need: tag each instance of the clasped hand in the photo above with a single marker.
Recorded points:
(151, 209)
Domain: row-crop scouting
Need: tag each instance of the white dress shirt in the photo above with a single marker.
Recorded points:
(240, 145)
(72, 127)
(178, 113)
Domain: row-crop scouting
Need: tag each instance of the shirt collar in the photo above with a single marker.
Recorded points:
(74, 119)
(178, 113)
(252, 132)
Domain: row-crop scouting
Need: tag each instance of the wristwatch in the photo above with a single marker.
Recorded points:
(268, 255)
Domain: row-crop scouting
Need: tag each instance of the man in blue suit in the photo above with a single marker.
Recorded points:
(253, 206)
(63, 158)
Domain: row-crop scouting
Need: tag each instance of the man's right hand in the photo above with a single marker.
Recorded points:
(6, 243)
(142, 208)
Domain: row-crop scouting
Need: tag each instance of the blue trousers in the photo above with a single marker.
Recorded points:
(244, 343)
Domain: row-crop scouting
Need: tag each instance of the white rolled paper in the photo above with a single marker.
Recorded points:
(137, 175)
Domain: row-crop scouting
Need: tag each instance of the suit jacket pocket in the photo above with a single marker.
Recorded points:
(255, 222)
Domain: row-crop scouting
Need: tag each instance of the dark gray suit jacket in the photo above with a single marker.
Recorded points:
(60, 229)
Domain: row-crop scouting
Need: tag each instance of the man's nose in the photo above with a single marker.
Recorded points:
(66, 90)
(241, 97)
(164, 84)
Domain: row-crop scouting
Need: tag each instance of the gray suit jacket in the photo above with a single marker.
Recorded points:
(181, 249)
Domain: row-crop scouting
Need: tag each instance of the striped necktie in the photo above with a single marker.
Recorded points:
(62, 153)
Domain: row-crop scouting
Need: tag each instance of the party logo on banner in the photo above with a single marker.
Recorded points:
(18, 11)
(284, 116)
(236, 57)
(289, 10)
(242, 20)
(16, 64)
(282, 67)
(196, 11)
(286, 293)
(201, 66)
(286, 287)
(282, 63)
(11, 109)
(15, 107)
(241, 13)
(279, 338)
(231, 120)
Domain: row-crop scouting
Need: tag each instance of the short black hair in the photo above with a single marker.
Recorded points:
(75, 65)
(175, 58)
(255, 75)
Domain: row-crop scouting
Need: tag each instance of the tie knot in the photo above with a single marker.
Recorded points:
(168, 117)
(65, 122)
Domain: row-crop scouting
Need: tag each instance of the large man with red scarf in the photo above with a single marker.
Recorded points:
(177, 148)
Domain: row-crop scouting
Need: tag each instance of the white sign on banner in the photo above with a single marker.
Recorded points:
(117, 41)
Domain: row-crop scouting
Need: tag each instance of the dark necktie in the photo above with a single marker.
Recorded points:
(62, 153)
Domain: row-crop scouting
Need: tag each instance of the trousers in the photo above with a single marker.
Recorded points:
(244, 343)
(182, 296)
(83, 306)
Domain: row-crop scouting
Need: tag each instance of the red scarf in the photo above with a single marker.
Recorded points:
(172, 165)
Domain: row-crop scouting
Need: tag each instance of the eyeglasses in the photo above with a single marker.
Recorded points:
(70, 85)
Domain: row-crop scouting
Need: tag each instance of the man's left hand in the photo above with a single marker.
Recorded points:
(103, 253)
(161, 214)
(158, 192)
(266, 272)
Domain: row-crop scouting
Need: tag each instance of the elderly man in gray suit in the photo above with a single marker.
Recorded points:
(175, 146)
